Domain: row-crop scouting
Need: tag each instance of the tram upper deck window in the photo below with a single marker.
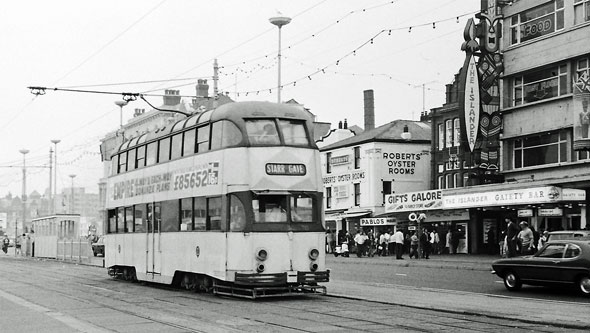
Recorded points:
(202, 139)
(225, 134)
(176, 150)
(294, 132)
(262, 132)
(151, 153)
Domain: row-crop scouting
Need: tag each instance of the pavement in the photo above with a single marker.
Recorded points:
(528, 311)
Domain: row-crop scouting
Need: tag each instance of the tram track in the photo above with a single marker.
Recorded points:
(335, 310)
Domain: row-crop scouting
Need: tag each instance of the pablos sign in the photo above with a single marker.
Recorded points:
(374, 222)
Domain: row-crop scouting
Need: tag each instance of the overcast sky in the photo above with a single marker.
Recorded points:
(333, 50)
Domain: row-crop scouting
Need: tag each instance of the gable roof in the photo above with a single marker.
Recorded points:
(390, 132)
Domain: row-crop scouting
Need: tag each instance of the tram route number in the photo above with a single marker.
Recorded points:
(191, 180)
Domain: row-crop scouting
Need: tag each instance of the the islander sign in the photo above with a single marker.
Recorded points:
(413, 201)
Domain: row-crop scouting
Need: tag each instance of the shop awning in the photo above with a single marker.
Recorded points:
(347, 214)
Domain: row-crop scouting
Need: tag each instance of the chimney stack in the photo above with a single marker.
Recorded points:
(202, 88)
(369, 110)
(171, 97)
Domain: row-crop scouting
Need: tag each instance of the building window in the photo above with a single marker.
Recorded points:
(456, 180)
(449, 180)
(535, 86)
(581, 11)
(441, 137)
(583, 155)
(328, 197)
(357, 157)
(582, 66)
(540, 150)
(357, 194)
(328, 163)
(537, 22)
(386, 189)
(450, 133)
(440, 183)
(457, 132)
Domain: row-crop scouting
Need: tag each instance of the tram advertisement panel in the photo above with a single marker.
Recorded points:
(163, 182)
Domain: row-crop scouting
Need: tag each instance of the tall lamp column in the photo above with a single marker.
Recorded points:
(24, 195)
(279, 21)
(72, 196)
(54, 194)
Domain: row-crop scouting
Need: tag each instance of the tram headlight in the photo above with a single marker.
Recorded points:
(314, 254)
(313, 267)
(261, 254)
(260, 268)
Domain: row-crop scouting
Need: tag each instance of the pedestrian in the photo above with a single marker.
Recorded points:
(448, 241)
(491, 240)
(330, 241)
(391, 244)
(5, 243)
(512, 231)
(425, 244)
(361, 241)
(527, 239)
(434, 242)
(398, 239)
(414, 246)
(455, 240)
(502, 244)
(543, 239)
(384, 241)
(18, 243)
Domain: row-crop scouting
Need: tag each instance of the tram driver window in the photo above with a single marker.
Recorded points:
(262, 132)
(270, 209)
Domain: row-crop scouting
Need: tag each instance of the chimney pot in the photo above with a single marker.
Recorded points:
(340, 124)
(345, 124)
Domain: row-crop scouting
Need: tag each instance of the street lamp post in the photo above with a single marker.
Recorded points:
(279, 21)
(72, 196)
(53, 189)
(54, 194)
(121, 104)
(24, 195)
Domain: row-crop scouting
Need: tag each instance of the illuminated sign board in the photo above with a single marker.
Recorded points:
(377, 222)
(285, 169)
(412, 201)
(471, 103)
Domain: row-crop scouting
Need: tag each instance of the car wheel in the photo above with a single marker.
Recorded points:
(512, 281)
(584, 285)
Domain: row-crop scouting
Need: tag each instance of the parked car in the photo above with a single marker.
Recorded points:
(98, 247)
(569, 234)
(562, 262)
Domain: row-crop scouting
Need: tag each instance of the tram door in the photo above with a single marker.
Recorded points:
(153, 249)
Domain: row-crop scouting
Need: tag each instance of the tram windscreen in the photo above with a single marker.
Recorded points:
(283, 208)
(265, 132)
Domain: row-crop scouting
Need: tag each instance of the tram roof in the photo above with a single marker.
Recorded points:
(232, 111)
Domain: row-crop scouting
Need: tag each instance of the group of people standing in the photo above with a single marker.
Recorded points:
(520, 239)
(371, 243)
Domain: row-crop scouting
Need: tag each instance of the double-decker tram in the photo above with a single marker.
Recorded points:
(227, 201)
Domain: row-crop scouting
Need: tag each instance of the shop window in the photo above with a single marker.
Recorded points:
(581, 11)
(186, 214)
(449, 133)
(237, 214)
(441, 136)
(357, 194)
(465, 179)
(386, 189)
(170, 218)
(328, 197)
(457, 132)
(537, 22)
(542, 84)
(541, 149)
(357, 157)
